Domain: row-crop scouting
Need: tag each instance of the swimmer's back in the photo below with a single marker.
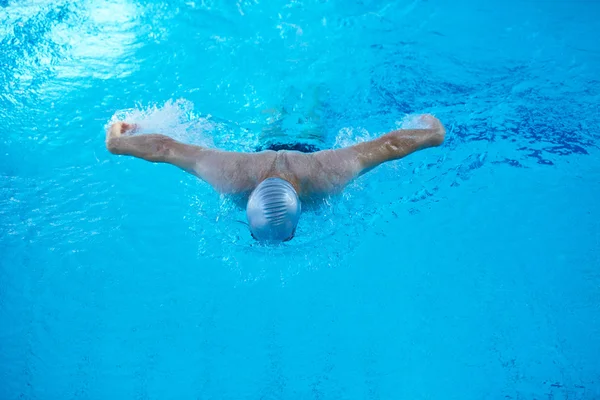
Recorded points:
(320, 173)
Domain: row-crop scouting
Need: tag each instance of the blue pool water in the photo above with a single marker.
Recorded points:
(469, 271)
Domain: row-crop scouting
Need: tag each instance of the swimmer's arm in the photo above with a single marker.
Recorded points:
(340, 166)
(152, 147)
(399, 143)
(227, 172)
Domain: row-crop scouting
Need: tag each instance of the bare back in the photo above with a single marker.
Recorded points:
(311, 174)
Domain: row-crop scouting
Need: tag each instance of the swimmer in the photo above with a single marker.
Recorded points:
(276, 180)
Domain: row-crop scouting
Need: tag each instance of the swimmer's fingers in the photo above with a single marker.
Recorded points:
(125, 127)
(119, 128)
(114, 130)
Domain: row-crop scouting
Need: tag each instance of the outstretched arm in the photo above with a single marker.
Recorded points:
(151, 147)
(227, 172)
(338, 167)
(400, 143)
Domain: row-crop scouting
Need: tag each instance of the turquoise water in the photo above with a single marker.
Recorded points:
(468, 271)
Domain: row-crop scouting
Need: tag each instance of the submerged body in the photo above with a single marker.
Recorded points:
(277, 181)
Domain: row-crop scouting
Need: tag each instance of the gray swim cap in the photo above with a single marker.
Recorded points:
(273, 210)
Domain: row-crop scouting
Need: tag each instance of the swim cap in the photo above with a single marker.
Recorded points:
(273, 210)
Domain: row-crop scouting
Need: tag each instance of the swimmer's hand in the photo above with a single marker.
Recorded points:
(118, 129)
(434, 125)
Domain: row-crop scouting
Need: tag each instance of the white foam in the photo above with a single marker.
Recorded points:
(175, 119)
(350, 136)
(413, 121)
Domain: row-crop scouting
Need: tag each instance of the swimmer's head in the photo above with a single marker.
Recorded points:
(273, 211)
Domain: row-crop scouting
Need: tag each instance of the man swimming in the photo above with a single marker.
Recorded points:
(276, 181)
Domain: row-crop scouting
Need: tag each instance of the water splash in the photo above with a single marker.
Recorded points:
(176, 119)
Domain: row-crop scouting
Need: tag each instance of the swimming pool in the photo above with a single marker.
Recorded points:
(468, 271)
